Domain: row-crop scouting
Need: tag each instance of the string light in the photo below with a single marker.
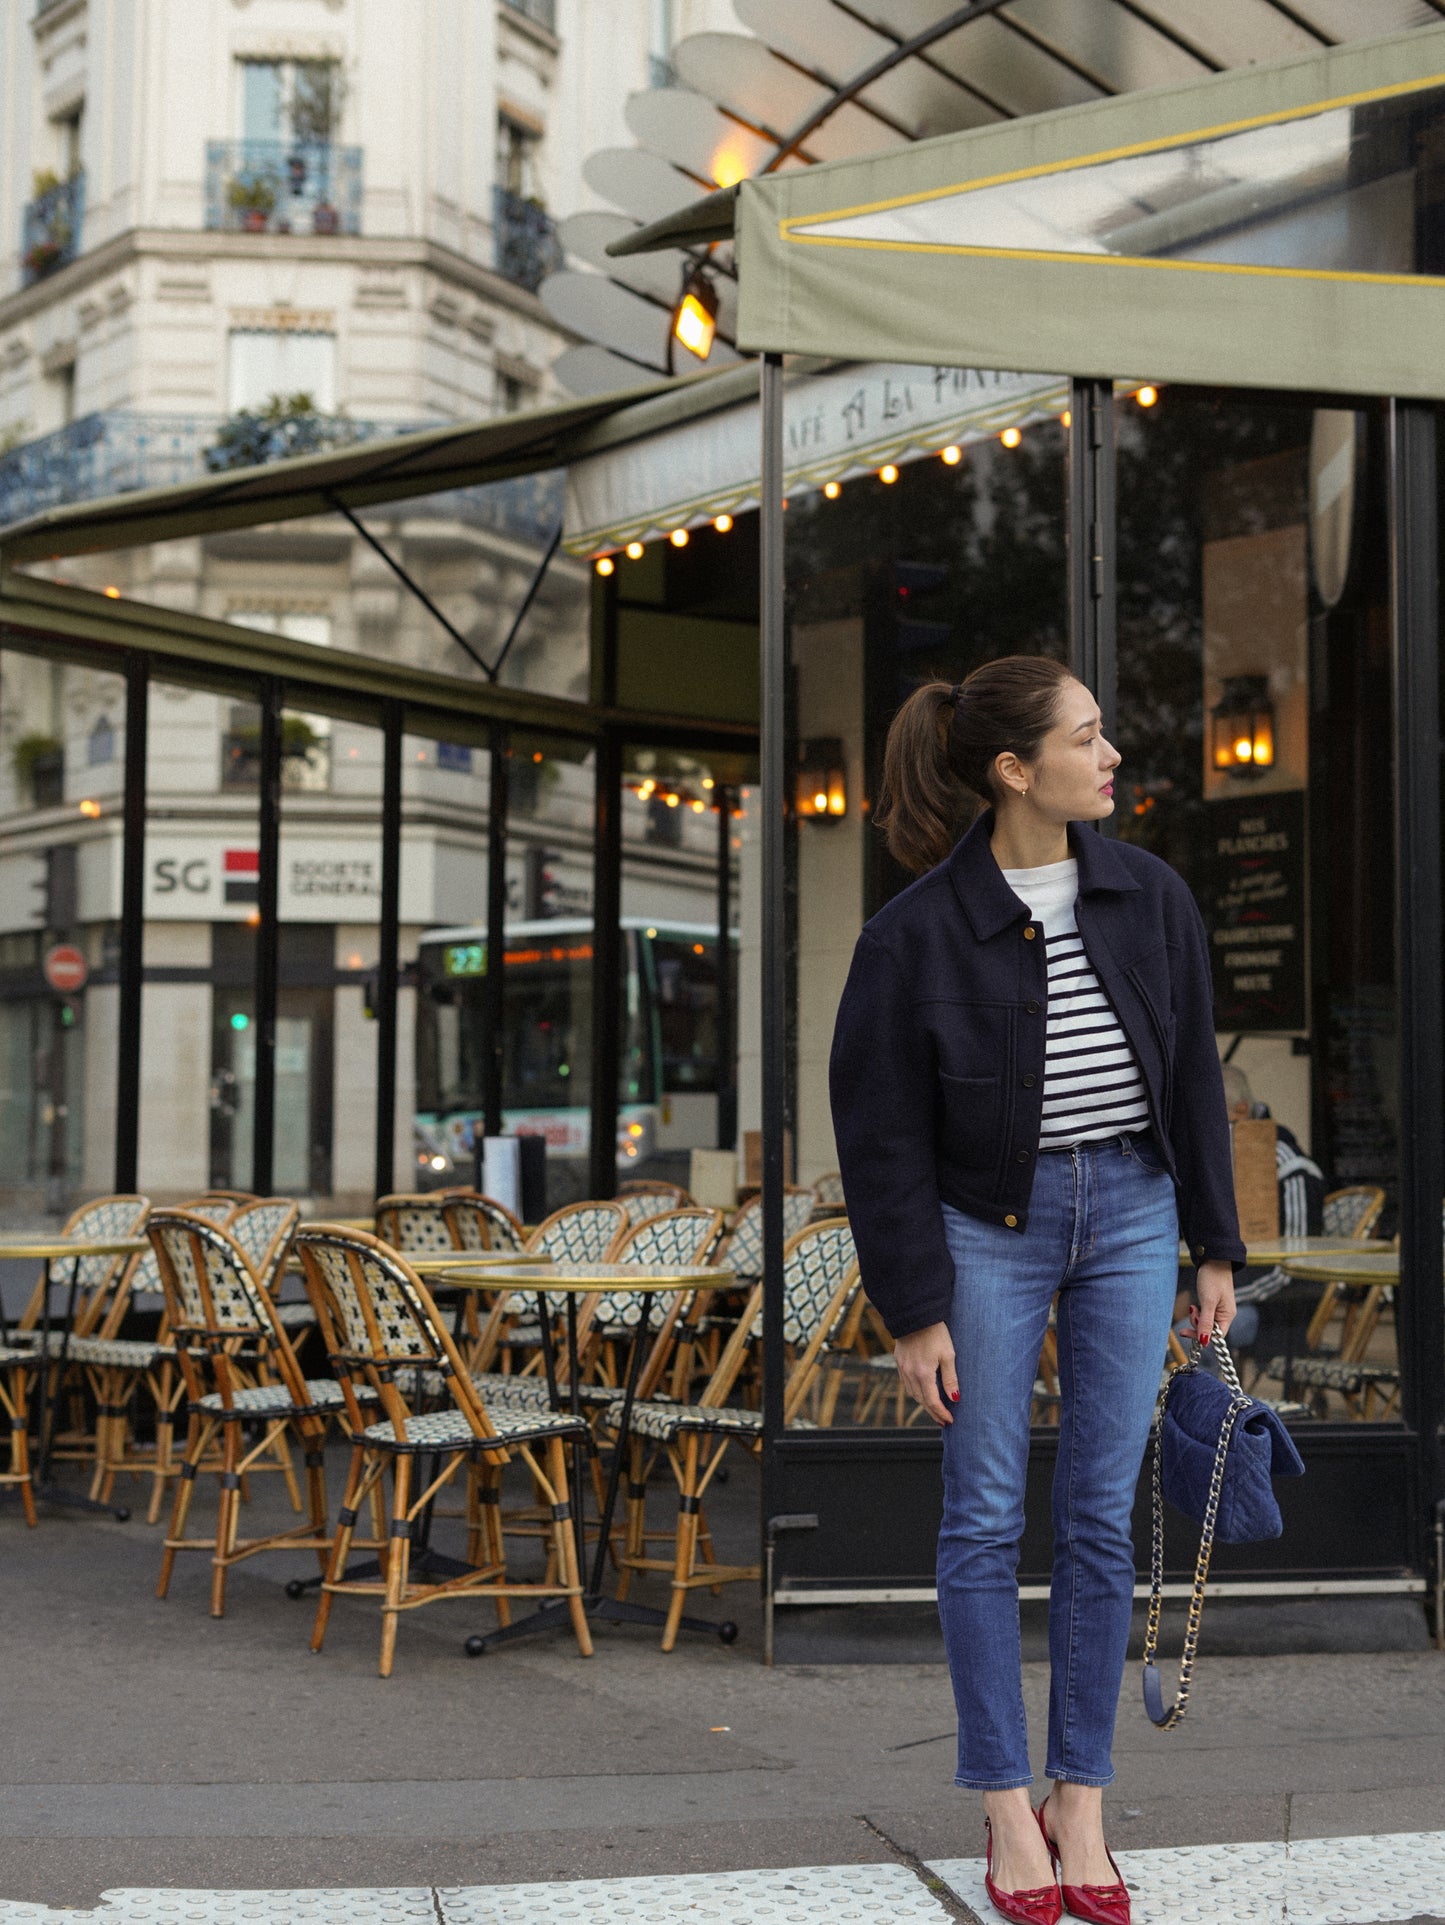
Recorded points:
(888, 473)
(1010, 437)
(952, 456)
(114, 593)
(697, 807)
(1146, 397)
(90, 807)
(678, 538)
(1067, 418)
(832, 489)
(723, 523)
(634, 551)
(605, 564)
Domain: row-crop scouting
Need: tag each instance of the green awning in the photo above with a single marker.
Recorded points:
(1275, 226)
(400, 468)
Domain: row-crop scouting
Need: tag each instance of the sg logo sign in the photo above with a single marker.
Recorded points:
(170, 875)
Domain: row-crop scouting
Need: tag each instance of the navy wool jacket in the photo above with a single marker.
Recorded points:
(937, 1068)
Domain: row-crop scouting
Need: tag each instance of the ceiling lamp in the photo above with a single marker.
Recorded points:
(820, 793)
(678, 538)
(1010, 437)
(723, 523)
(694, 320)
(605, 564)
(952, 456)
(634, 551)
(1146, 397)
(832, 489)
(888, 472)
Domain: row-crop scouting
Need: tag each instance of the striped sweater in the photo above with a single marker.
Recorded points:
(1092, 1085)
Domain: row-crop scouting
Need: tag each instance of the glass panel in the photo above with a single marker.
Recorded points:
(919, 570)
(1254, 723)
(62, 764)
(261, 99)
(202, 853)
(1355, 189)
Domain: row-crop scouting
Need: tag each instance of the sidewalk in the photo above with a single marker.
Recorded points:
(168, 1759)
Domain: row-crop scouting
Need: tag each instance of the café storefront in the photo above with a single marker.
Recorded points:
(1217, 497)
(1150, 386)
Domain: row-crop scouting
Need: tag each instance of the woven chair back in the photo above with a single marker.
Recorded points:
(815, 1262)
(744, 1254)
(681, 1237)
(415, 1223)
(579, 1233)
(481, 1223)
(210, 1288)
(215, 1209)
(376, 1314)
(264, 1232)
(829, 1187)
(106, 1216)
(1353, 1212)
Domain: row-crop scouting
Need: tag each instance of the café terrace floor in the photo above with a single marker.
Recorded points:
(194, 1769)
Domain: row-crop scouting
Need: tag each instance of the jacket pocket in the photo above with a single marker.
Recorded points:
(972, 1137)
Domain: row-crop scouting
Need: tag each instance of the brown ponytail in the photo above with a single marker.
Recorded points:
(942, 745)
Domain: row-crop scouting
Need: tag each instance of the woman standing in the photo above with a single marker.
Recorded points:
(1028, 1104)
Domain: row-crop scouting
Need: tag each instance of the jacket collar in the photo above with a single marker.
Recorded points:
(988, 901)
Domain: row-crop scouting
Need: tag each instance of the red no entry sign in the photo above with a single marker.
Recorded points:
(65, 969)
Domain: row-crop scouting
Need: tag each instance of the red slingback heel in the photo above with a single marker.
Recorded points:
(1100, 1904)
(1040, 1906)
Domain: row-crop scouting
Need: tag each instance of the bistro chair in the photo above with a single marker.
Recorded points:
(417, 1223)
(97, 1279)
(820, 1275)
(829, 1188)
(382, 1331)
(644, 1197)
(216, 1308)
(479, 1222)
(1353, 1212)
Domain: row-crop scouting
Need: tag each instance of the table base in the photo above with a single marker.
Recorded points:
(607, 1610)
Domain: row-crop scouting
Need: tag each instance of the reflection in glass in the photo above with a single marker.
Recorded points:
(1354, 189)
(1227, 645)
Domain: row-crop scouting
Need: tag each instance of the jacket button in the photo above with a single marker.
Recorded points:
(1029, 1081)
(1029, 934)
(1199, 1249)
(1023, 1156)
(1012, 1222)
(1032, 1008)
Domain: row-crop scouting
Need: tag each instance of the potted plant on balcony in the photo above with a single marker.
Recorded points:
(253, 196)
(51, 228)
(324, 218)
(39, 761)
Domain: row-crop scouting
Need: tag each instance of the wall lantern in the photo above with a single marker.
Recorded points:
(1241, 727)
(694, 320)
(821, 793)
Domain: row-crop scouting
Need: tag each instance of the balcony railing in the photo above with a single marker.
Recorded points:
(544, 12)
(115, 452)
(51, 230)
(283, 187)
(526, 237)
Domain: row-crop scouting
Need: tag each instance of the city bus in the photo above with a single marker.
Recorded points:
(668, 1080)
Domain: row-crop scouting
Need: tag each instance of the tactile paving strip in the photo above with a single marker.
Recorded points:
(1314, 1881)
(812, 1895)
(412, 1907)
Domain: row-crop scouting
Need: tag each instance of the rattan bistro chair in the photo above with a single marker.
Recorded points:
(481, 1223)
(382, 1330)
(820, 1276)
(217, 1309)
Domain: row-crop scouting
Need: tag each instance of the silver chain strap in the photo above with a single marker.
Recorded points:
(1238, 1404)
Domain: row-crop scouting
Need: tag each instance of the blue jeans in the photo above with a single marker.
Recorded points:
(1103, 1233)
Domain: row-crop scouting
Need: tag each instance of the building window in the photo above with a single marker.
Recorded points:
(659, 44)
(291, 100)
(518, 153)
(267, 362)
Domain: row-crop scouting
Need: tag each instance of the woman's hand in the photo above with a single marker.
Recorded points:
(1215, 1308)
(923, 1358)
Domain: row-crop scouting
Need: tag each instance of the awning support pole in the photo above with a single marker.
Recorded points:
(493, 999)
(388, 937)
(774, 932)
(1415, 671)
(412, 587)
(132, 926)
(268, 873)
(1093, 649)
(538, 577)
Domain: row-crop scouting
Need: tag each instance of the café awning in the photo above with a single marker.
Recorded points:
(1277, 226)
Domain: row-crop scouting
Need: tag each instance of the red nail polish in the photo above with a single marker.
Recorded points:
(1205, 1337)
(953, 1396)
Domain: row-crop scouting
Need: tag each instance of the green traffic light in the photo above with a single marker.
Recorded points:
(240, 1020)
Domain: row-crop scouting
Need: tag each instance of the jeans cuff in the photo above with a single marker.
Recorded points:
(1080, 1778)
(993, 1784)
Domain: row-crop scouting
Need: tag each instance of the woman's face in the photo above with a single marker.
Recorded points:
(1070, 779)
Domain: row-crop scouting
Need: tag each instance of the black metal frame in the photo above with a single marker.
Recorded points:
(388, 938)
(132, 925)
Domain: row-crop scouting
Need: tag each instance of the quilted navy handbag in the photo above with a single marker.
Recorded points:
(1216, 1453)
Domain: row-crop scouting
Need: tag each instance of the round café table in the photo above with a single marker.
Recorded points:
(1277, 1249)
(53, 1251)
(574, 1281)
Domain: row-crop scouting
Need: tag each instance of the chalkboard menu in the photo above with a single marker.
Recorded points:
(1256, 912)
